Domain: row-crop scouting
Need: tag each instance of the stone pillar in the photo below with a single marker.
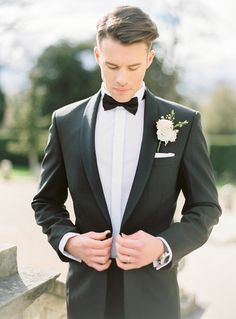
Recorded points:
(6, 168)
(8, 262)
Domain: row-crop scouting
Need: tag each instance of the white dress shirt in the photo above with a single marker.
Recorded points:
(118, 139)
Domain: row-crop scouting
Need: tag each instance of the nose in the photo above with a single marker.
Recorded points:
(121, 78)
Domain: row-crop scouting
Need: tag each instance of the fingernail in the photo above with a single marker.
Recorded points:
(108, 234)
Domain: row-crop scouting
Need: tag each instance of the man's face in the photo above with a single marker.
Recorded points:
(122, 67)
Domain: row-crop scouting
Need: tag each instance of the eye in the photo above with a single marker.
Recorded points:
(112, 67)
(134, 68)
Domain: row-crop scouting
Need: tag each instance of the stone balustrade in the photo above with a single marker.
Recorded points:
(28, 294)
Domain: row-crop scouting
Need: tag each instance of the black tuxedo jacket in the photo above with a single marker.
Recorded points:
(70, 163)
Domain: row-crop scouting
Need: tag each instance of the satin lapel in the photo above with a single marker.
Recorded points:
(147, 153)
(89, 155)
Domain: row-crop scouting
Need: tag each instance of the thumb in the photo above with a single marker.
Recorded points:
(99, 235)
(132, 236)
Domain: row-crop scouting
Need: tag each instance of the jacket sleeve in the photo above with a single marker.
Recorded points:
(49, 202)
(201, 210)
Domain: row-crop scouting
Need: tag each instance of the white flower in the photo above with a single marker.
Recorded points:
(163, 124)
(166, 130)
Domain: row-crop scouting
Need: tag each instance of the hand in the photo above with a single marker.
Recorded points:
(137, 250)
(92, 248)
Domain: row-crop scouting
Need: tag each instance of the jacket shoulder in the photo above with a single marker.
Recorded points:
(176, 106)
(71, 108)
(165, 107)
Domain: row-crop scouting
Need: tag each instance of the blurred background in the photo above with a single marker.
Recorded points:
(46, 61)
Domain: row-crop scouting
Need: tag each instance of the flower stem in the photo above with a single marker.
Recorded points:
(158, 147)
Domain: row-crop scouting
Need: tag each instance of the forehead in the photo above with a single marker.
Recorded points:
(115, 52)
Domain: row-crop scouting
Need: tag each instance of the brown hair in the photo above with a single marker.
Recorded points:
(127, 24)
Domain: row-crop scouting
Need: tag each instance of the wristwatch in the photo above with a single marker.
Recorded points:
(163, 258)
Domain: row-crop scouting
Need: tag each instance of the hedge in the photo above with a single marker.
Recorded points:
(223, 158)
(16, 159)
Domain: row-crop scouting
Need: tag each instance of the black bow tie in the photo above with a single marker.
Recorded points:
(109, 103)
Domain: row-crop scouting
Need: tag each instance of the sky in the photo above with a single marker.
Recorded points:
(205, 51)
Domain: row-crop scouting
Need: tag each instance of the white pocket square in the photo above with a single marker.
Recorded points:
(164, 155)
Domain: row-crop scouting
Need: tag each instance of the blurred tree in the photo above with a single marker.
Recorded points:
(29, 129)
(162, 81)
(219, 114)
(2, 106)
(65, 73)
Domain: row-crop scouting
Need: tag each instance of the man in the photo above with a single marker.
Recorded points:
(124, 175)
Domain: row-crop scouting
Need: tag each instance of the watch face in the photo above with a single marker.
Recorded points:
(164, 258)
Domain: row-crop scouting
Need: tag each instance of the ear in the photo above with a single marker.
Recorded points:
(151, 56)
(97, 54)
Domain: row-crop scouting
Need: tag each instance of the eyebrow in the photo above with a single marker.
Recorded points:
(113, 64)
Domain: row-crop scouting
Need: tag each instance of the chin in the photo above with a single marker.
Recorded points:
(122, 97)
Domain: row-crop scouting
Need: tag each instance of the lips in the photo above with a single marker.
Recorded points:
(121, 90)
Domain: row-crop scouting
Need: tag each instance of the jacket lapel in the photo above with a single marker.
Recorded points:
(147, 153)
(89, 155)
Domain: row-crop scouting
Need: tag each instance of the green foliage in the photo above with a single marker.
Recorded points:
(28, 132)
(29, 127)
(16, 159)
(2, 106)
(223, 160)
(219, 115)
(219, 122)
(65, 73)
(163, 82)
(21, 171)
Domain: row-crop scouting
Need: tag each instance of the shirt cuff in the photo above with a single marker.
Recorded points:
(166, 258)
(63, 243)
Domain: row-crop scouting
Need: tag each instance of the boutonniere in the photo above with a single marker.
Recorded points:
(166, 129)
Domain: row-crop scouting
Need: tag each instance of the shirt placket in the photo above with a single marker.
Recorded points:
(117, 173)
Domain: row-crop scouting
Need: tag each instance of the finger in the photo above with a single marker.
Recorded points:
(99, 244)
(124, 266)
(123, 237)
(104, 244)
(89, 253)
(100, 267)
(102, 260)
(107, 242)
(100, 252)
(99, 235)
(128, 243)
(125, 251)
(131, 236)
(126, 259)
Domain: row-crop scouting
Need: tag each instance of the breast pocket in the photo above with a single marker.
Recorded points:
(166, 161)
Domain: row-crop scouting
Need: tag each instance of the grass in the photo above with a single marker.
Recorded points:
(19, 172)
